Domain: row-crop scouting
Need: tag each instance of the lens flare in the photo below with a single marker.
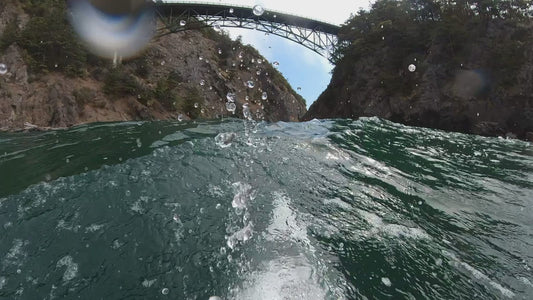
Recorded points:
(113, 31)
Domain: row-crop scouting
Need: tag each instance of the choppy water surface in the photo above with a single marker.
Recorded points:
(318, 210)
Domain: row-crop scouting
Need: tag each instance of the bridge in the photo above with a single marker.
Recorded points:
(318, 36)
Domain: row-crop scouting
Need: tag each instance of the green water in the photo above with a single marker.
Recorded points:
(318, 210)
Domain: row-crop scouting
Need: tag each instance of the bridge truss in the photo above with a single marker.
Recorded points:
(317, 36)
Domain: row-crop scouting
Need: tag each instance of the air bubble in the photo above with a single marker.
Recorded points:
(258, 10)
(3, 69)
(412, 68)
(165, 291)
(264, 96)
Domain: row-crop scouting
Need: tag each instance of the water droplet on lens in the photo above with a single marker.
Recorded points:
(231, 97)
(246, 111)
(195, 105)
(259, 61)
(3, 69)
(230, 106)
(250, 84)
(202, 82)
(139, 144)
(231, 10)
(180, 117)
(218, 206)
(219, 51)
(215, 298)
(165, 291)
(200, 58)
(163, 63)
(247, 98)
(276, 64)
(299, 88)
(258, 10)
(412, 68)
(264, 96)
(240, 54)
(183, 23)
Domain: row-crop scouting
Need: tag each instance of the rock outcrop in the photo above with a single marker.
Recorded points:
(481, 85)
(185, 75)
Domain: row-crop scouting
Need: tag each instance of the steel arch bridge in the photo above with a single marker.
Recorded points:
(318, 36)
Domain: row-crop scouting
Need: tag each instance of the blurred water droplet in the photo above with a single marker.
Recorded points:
(111, 30)
(216, 27)
(231, 10)
(258, 10)
(162, 62)
(223, 250)
(247, 98)
(215, 298)
(250, 84)
(183, 23)
(381, 26)
(165, 291)
(231, 97)
(176, 218)
(383, 38)
(299, 88)
(412, 68)
(138, 141)
(219, 51)
(3, 69)
(200, 58)
(259, 61)
(202, 82)
(195, 105)
(202, 111)
(218, 206)
(276, 64)
(180, 117)
(258, 73)
(264, 96)
(240, 54)
(56, 65)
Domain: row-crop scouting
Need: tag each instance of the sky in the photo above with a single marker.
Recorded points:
(307, 72)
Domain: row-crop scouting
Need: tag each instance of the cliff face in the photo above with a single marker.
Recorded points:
(180, 76)
(475, 77)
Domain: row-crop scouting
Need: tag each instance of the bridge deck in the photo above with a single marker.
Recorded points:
(176, 8)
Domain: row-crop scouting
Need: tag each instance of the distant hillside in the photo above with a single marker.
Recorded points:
(53, 81)
(462, 66)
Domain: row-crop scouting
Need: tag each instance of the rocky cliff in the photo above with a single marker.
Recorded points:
(52, 81)
(434, 66)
